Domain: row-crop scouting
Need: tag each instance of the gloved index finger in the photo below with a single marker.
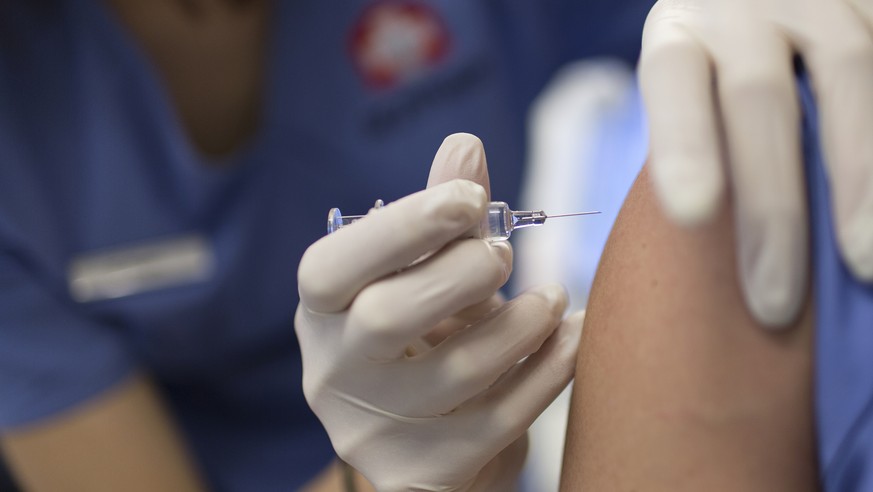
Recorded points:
(336, 268)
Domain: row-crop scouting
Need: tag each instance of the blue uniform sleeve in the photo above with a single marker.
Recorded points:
(51, 357)
(844, 335)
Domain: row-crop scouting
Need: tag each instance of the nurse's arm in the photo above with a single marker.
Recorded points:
(337, 478)
(122, 440)
(676, 387)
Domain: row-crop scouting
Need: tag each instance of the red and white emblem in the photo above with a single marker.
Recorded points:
(395, 40)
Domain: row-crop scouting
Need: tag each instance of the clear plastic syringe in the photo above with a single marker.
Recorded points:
(497, 225)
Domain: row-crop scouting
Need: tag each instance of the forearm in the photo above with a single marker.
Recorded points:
(339, 478)
(123, 440)
(677, 388)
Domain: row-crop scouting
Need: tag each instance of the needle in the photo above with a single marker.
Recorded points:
(571, 215)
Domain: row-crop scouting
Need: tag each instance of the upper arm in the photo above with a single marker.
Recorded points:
(122, 440)
(677, 388)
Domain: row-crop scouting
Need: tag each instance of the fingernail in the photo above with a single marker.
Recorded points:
(773, 271)
(688, 198)
(858, 246)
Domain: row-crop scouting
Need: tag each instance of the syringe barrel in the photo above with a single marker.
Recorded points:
(497, 223)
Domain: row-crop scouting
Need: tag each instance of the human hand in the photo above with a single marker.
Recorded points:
(452, 414)
(733, 59)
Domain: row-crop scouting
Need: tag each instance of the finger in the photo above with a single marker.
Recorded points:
(463, 319)
(841, 67)
(335, 268)
(510, 407)
(762, 123)
(676, 84)
(461, 156)
(388, 315)
(469, 362)
(864, 10)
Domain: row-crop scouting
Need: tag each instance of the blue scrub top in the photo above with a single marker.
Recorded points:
(93, 159)
(844, 339)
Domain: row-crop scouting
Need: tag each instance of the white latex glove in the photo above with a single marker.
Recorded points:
(453, 416)
(732, 59)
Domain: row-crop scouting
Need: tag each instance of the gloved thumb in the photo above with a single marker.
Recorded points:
(461, 156)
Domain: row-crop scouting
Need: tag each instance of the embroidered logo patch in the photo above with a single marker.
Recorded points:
(397, 40)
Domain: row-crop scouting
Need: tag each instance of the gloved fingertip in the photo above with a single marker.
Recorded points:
(463, 139)
(772, 308)
(476, 191)
(773, 295)
(556, 295)
(572, 333)
(459, 202)
(576, 319)
(688, 197)
(690, 205)
(503, 251)
(773, 261)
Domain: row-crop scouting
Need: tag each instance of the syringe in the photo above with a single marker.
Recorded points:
(497, 225)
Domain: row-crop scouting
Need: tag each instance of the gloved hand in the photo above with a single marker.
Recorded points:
(451, 413)
(732, 59)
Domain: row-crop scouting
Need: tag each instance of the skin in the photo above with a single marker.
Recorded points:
(676, 387)
(122, 440)
(210, 56)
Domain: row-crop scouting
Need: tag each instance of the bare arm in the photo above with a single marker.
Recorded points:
(676, 387)
(123, 440)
